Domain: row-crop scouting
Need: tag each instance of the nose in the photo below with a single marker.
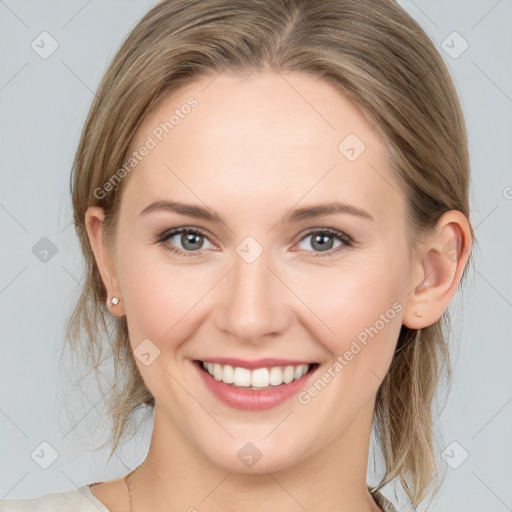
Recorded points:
(253, 304)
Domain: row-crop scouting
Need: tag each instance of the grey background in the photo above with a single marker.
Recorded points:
(43, 104)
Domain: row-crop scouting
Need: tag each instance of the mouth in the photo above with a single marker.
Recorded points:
(260, 378)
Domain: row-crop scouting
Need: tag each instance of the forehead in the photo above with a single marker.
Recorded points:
(269, 138)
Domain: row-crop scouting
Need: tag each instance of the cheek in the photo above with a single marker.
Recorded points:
(157, 294)
(359, 304)
(362, 304)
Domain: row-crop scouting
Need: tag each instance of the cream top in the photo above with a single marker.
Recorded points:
(83, 500)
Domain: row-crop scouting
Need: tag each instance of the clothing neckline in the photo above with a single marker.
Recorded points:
(377, 496)
(86, 489)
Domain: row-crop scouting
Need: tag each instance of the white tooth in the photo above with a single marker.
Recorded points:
(228, 376)
(288, 374)
(242, 377)
(276, 376)
(217, 371)
(260, 378)
(301, 370)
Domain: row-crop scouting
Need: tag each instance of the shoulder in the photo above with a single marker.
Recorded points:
(78, 500)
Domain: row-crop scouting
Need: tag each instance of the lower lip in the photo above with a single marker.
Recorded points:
(252, 399)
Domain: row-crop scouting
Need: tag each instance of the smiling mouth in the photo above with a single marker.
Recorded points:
(258, 378)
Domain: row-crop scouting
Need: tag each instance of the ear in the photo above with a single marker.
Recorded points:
(440, 263)
(105, 260)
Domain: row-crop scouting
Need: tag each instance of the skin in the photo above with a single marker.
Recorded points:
(253, 150)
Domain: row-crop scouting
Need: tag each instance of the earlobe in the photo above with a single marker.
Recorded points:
(442, 259)
(104, 258)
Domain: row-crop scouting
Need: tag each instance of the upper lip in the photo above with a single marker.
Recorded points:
(255, 363)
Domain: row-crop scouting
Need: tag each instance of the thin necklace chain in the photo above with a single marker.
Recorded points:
(126, 481)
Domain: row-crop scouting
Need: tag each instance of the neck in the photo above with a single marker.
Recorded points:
(175, 476)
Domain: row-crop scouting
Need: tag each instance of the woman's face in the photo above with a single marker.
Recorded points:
(292, 252)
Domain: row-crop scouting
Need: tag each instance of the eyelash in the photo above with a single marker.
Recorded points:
(347, 241)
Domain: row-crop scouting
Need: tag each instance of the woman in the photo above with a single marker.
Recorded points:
(272, 201)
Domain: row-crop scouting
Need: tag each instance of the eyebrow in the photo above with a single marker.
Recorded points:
(190, 210)
(309, 212)
(296, 215)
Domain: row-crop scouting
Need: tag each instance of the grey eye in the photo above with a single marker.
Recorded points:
(189, 241)
(320, 242)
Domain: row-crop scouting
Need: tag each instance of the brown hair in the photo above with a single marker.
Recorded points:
(381, 60)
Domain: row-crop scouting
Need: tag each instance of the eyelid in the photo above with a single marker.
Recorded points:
(347, 240)
(169, 233)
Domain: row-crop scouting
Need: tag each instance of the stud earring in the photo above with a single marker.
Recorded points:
(418, 314)
(114, 301)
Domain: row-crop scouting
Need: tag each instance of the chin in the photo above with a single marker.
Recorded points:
(255, 457)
